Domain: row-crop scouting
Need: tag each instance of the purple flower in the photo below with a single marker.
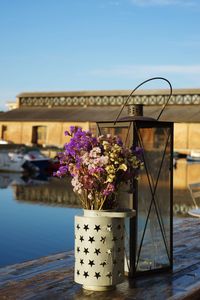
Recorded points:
(91, 161)
(109, 189)
(96, 170)
(57, 174)
(72, 129)
(67, 133)
(119, 141)
(138, 152)
(63, 170)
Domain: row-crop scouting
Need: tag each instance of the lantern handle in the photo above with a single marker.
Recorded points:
(150, 79)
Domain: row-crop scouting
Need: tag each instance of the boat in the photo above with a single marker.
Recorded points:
(11, 163)
(194, 212)
(21, 160)
(53, 166)
(194, 156)
(37, 160)
(3, 142)
(178, 155)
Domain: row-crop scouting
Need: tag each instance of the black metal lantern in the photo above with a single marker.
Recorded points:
(150, 233)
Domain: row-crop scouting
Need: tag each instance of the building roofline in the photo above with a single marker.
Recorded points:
(178, 113)
(83, 93)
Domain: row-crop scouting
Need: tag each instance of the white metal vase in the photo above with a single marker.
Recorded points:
(99, 249)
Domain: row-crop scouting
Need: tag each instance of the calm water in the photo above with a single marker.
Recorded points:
(36, 216)
(29, 228)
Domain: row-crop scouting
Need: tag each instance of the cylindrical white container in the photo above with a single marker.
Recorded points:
(99, 248)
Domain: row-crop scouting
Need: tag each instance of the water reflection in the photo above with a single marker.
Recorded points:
(29, 230)
(40, 190)
(54, 191)
(184, 174)
(37, 213)
(7, 178)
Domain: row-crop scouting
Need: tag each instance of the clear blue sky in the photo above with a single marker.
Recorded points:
(61, 45)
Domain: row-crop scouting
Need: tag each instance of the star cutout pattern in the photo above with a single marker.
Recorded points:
(97, 227)
(103, 264)
(91, 239)
(85, 274)
(103, 239)
(81, 238)
(97, 275)
(86, 227)
(86, 236)
(109, 251)
(109, 227)
(97, 251)
(109, 275)
(86, 251)
(91, 263)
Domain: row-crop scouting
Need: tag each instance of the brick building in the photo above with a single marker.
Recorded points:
(42, 118)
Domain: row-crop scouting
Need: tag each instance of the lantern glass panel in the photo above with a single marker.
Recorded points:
(154, 200)
(150, 233)
(124, 130)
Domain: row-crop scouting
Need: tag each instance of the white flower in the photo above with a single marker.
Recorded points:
(90, 196)
(104, 160)
(91, 166)
(77, 185)
(85, 158)
(95, 152)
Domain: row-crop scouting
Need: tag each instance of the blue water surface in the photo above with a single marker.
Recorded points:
(29, 231)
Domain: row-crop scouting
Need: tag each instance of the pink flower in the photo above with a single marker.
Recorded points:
(109, 189)
(88, 182)
(97, 165)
